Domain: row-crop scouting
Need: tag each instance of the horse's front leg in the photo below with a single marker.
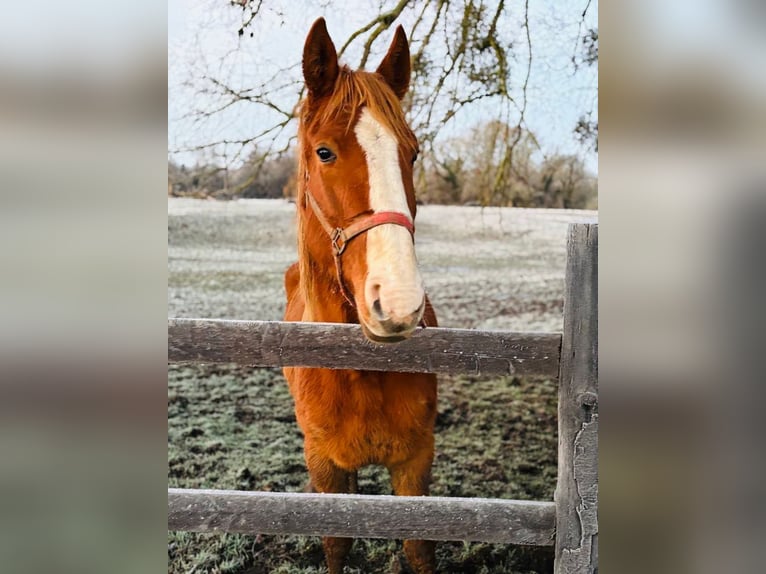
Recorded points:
(326, 476)
(412, 478)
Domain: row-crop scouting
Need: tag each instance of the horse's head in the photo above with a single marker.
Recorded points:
(357, 154)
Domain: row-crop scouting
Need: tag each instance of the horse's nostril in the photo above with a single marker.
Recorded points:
(377, 309)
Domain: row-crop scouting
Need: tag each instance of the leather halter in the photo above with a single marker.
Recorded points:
(341, 236)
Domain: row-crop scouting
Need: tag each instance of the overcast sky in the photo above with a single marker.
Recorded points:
(207, 29)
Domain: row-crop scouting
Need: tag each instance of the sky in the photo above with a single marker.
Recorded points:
(200, 32)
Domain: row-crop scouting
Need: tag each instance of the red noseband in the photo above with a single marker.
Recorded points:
(341, 236)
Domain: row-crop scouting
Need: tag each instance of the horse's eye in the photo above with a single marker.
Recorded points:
(325, 155)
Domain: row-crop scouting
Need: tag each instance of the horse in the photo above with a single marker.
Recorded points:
(356, 264)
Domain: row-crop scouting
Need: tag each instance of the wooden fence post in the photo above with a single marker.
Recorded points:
(577, 488)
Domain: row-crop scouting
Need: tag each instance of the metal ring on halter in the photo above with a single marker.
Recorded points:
(339, 235)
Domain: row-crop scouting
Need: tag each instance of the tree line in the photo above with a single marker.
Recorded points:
(473, 169)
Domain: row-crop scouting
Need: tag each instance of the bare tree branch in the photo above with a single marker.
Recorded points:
(463, 53)
(382, 21)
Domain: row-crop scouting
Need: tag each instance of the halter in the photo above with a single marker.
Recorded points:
(341, 236)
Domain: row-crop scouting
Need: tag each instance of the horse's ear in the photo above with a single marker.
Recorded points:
(320, 60)
(395, 67)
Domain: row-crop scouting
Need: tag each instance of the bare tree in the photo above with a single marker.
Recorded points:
(475, 163)
(463, 52)
(562, 182)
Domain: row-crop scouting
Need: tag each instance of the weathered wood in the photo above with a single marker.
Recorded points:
(342, 346)
(577, 488)
(362, 516)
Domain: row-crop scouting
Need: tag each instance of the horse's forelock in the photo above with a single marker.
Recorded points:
(354, 91)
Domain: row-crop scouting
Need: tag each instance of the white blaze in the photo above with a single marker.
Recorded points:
(391, 261)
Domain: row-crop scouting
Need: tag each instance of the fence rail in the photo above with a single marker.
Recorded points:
(571, 356)
(342, 346)
(363, 516)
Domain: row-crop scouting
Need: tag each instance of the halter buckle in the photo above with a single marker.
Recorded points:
(339, 240)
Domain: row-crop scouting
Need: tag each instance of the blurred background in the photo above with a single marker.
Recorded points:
(82, 286)
(682, 181)
(84, 154)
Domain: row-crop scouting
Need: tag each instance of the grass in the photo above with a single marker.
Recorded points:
(234, 428)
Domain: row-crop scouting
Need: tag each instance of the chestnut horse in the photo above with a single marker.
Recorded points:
(356, 211)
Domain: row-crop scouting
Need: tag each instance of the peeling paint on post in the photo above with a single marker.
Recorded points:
(577, 488)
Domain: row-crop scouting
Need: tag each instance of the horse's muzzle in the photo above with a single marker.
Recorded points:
(382, 328)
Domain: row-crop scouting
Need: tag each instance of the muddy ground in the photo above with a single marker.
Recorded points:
(234, 428)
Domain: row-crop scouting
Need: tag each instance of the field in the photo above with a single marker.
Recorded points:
(234, 428)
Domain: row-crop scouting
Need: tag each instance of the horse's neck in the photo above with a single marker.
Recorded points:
(323, 304)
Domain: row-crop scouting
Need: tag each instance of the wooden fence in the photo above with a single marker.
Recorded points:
(569, 522)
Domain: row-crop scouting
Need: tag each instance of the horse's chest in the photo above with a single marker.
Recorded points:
(368, 422)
